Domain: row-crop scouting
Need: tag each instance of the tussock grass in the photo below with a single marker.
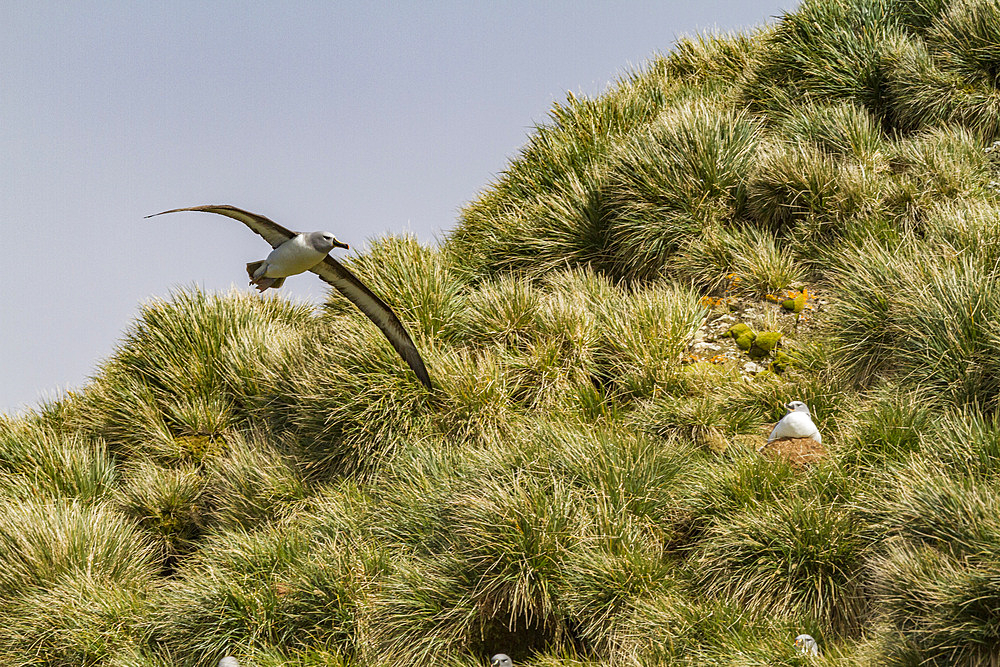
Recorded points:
(923, 318)
(189, 369)
(254, 482)
(923, 94)
(672, 181)
(348, 401)
(167, 503)
(844, 130)
(642, 343)
(739, 260)
(285, 587)
(808, 195)
(82, 618)
(797, 556)
(245, 476)
(885, 430)
(724, 55)
(966, 441)
(965, 37)
(45, 540)
(423, 288)
(497, 582)
(35, 459)
(939, 165)
(829, 51)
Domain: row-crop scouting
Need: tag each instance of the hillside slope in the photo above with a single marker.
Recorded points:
(584, 485)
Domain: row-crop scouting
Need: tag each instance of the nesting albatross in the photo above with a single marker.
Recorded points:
(295, 253)
(797, 423)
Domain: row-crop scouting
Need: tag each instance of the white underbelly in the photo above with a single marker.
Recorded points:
(292, 257)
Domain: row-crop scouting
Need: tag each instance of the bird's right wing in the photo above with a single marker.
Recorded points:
(271, 231)
(336, 274)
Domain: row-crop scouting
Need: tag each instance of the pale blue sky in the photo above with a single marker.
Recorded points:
(361, 118)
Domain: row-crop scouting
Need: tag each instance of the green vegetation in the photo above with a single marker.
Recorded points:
(245, 476)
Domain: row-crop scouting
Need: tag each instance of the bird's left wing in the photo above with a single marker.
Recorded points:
(335, 273)
(271, 231)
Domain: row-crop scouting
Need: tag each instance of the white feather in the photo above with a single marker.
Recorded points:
(292, 257)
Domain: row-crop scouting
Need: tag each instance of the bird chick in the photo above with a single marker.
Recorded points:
(501, 660)
(806, 645)
(797, 423)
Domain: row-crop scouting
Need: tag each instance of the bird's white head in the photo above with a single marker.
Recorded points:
(797, 406)
(806, 644)
(324, 242)
(501, 660)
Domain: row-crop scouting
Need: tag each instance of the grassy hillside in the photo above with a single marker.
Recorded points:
(583, 486)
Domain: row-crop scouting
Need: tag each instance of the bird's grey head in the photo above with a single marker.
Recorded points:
(797, 406)
(501, 660)
(229, 661)
(806, 644)
(324, 242)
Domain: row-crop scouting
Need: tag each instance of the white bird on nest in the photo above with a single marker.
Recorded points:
(296, 253)
(796, 424)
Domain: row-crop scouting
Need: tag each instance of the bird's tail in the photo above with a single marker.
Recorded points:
(264, 283)
(252, 268)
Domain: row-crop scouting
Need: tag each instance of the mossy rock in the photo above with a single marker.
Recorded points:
(782, 362)
(796, 304)
(197, 448)
(764, 344)
(743, 335)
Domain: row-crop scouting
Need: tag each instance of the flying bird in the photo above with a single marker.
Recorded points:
(796, 424)
(501, 660)
(807, 645)
(295, 253)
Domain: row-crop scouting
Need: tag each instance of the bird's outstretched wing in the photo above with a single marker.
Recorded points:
(271, 231)
(336, 274)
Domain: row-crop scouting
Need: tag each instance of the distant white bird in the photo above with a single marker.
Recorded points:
(295, 253)
(796, 424)
(805, 643)
(229, 661)
(501, 660)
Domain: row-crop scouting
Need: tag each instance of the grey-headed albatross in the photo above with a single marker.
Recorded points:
(295, 253)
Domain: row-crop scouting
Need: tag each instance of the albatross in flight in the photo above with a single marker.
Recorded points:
(296, 253)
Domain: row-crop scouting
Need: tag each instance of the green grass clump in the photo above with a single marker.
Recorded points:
(82, 618)
(937, 580)
(796, 556)
(167, 503)
(189, 369)
(844, 130)
(287, 587)
(826, 51)
(809, 196)
(36, 459)
(254, 482)
(44, 540)
(424, 288)
(686, 173)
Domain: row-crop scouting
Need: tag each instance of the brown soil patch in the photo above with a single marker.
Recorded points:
(800, 452)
